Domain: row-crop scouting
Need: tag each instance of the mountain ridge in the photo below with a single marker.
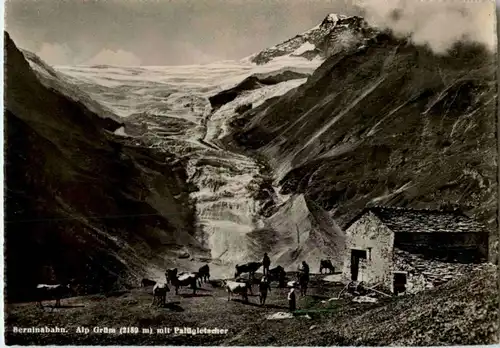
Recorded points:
(386, 122)
(335, 33)
(80, 202)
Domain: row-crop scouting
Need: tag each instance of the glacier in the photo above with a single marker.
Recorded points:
(170, 103)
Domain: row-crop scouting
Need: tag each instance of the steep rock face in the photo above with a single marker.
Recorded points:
(301, 231)
(52, 79)
(80, 204)
(334, 34)
(385, 123)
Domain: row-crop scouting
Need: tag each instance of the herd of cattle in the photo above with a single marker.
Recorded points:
(244, 279)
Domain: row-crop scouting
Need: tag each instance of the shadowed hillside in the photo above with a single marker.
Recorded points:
(385, 123)
(80, 204)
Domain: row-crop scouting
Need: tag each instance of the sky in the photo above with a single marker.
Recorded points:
(178, 32)
(161, 32)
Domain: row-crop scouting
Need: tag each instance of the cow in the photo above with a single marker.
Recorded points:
(196, 275)
(147, 282)
(248, 281)
(170, 273)
(160, 294)
(326, 264)
(187, 279)
(233, 287)
(204, 273)
(250, 267)
(52, 292)
(278, 274)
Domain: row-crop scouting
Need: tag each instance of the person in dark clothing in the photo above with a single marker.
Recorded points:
(266, 262)
(264, 287)
(305, 271)
(291, 300)
(304, 278)
(281, 281)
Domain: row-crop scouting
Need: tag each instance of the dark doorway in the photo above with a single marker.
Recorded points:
(399, 282)
(356, 255)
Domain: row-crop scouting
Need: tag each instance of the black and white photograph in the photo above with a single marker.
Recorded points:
(251, 173)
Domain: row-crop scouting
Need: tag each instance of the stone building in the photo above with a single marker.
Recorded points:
(408, 250)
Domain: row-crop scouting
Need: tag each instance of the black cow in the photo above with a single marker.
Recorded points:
(326, 264)
(52, 292)
(204, 273)
(170, 274)
(278, 274)
(250, 267)
(160, 294)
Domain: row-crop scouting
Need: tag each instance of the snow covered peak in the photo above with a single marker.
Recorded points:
(334, 18)
(335, 32)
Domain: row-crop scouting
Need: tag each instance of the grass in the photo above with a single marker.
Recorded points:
(209, 308)
(460, 312)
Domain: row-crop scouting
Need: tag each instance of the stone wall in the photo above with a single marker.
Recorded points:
(369, 232)
(428, 273)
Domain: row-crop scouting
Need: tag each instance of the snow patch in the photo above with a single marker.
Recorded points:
(306, 46)
(280, 316)
(121, 132)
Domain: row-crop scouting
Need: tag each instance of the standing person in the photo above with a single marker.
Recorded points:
(304, 278)
(282, 279)
(264, 287)
(291, 300)
(266, 262)
(305, 269)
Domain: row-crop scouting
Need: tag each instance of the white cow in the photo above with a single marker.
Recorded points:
(233, 287)
(185, 279)
(49, 292)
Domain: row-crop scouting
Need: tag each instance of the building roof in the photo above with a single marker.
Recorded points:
(423, 220)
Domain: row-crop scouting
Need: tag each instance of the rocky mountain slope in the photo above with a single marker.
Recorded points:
(334, 34)
(385, 122)
(80, 203)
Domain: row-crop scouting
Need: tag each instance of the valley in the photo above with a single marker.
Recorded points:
(116, 173)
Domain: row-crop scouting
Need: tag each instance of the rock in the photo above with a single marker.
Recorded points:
(364, 299)
(279, 316)
(243, 108)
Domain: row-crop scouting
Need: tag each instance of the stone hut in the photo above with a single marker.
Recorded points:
(408, 250)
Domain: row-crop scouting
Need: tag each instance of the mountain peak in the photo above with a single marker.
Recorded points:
(335, 32)
(333, 18)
